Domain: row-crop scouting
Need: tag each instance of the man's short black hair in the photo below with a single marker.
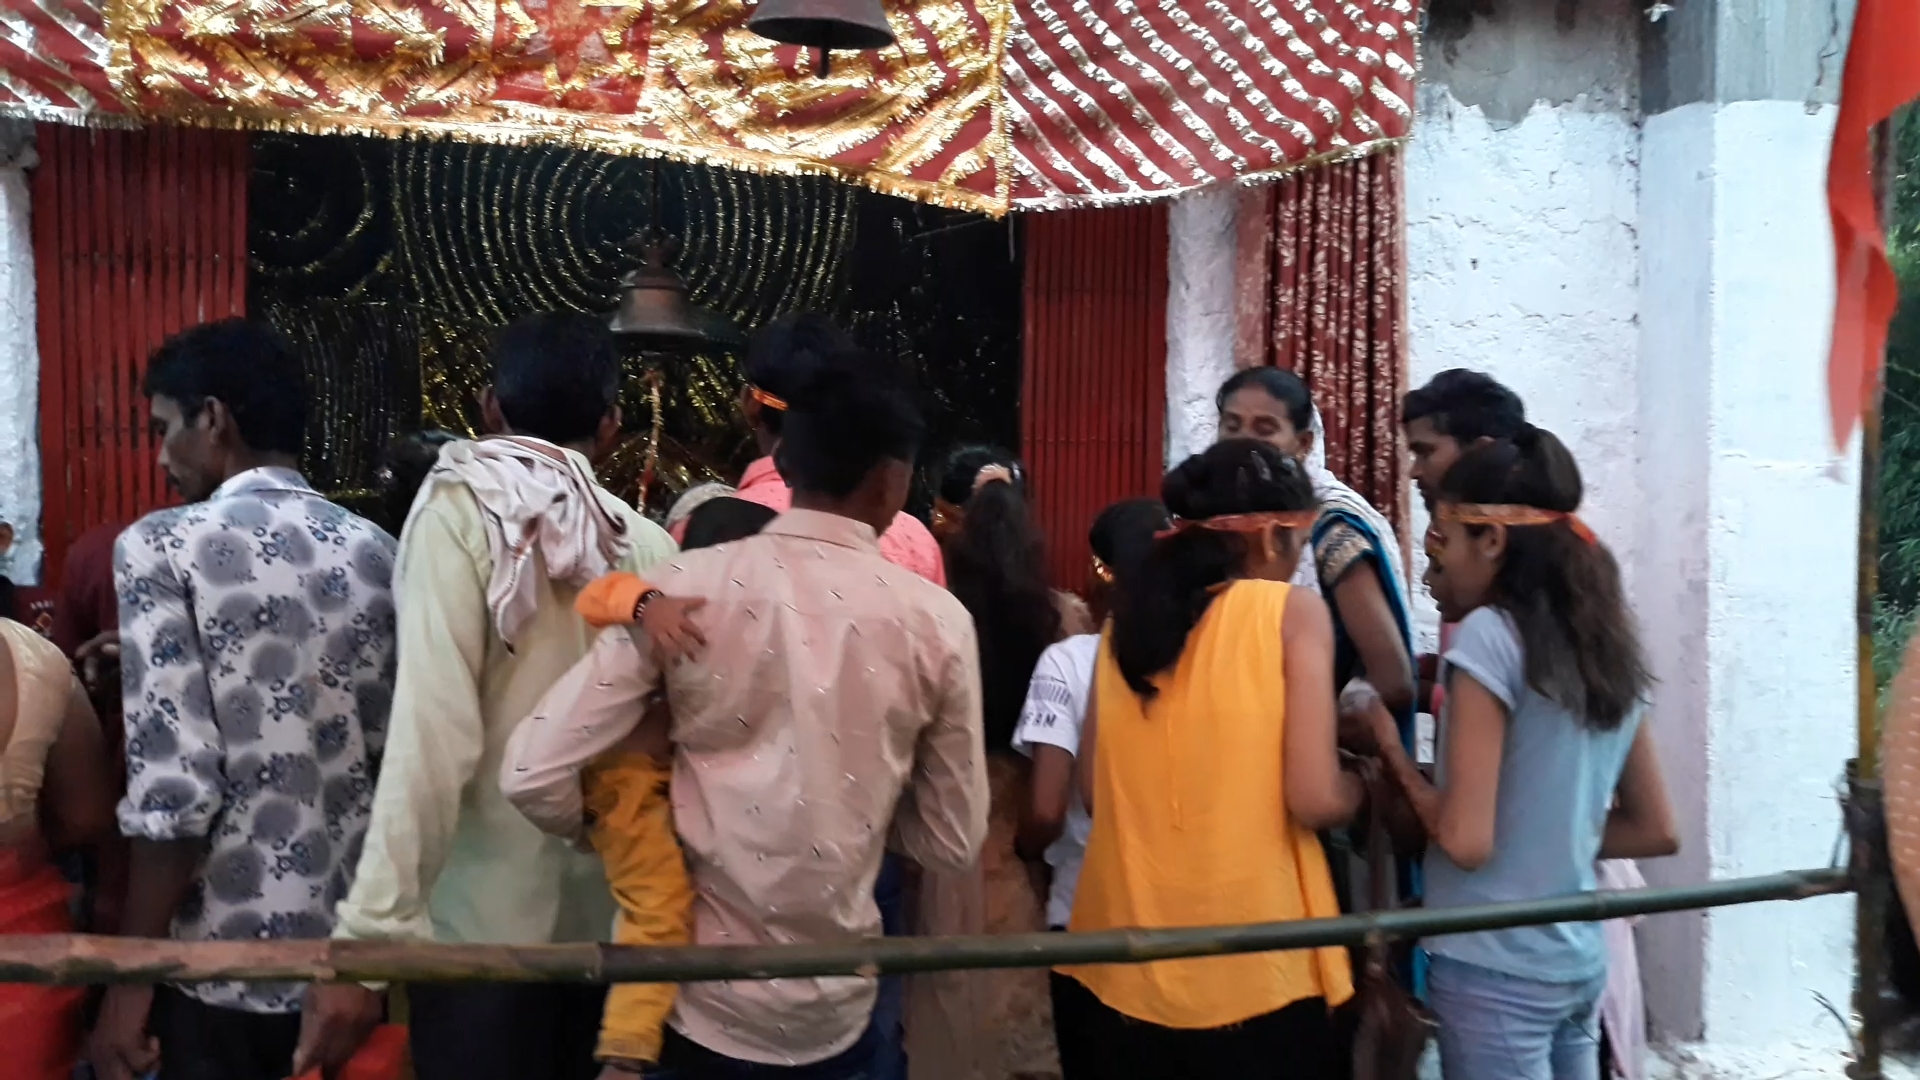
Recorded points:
(785, 351)
(852, 412)
(247, 366)
(556, 375)
(724, 520)
(1466, 406)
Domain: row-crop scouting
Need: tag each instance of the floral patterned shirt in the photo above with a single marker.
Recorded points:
(257, 664)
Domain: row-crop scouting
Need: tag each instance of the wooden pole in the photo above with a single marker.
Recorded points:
(74, 959)
(1864, 789)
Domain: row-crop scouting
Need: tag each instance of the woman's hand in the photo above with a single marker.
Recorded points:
(1357, 734)
(1381, 725)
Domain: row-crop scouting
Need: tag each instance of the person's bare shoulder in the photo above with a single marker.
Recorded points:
(1306, 615)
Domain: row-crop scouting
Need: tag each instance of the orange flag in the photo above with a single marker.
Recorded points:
(1883, 73)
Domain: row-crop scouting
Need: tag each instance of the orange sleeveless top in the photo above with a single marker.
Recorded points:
(1190, 826)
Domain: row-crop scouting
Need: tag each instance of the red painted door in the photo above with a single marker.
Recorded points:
(136, 235)
(1094, 403)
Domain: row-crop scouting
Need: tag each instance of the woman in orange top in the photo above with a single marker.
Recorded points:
(1213, 763)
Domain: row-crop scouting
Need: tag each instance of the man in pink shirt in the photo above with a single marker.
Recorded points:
(782, 359)
(779, 359)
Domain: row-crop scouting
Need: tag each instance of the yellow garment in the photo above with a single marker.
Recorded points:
(1190, 825)
(632, 829)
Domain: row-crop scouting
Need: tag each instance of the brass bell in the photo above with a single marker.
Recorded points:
(653, 300)
(850, 25)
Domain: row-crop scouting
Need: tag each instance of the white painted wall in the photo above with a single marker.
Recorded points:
(1200, 314)
(1522, 237)
(19, 359)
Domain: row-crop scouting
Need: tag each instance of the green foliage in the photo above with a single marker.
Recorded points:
(1892, 627)
(1899, 490)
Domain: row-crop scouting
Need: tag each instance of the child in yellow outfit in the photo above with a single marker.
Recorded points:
(630, 824)
(629, 818)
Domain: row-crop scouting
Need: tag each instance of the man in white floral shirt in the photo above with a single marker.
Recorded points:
(257, 664)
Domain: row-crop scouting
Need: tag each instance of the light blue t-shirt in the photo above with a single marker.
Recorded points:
(1557, 779)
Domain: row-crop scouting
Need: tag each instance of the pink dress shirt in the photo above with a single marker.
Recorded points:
(908, 544)
(835, 711)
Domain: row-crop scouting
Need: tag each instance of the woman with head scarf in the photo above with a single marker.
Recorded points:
(1356, 563)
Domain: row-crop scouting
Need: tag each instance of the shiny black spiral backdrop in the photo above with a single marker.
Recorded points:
(388, 263)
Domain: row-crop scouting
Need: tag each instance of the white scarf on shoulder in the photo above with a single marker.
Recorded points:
(535, 498)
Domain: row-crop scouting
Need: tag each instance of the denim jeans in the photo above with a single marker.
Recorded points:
(1502, 1027)
(889, 1009)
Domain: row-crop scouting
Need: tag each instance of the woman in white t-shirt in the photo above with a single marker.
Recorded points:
(1054, 823)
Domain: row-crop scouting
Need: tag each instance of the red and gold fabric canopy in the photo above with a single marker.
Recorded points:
(986, 105)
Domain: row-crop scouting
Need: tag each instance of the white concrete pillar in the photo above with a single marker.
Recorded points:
(19, 358)
(1749, 592)
(1200, 316)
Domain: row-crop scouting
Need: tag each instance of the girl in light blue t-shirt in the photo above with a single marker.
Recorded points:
(1543, 763)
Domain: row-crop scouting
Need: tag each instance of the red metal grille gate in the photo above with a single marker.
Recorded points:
(136, 234)
(1093, 406)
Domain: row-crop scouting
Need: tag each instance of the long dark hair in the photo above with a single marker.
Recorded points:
(1561, 589)
(1157, 606)
(997, 567)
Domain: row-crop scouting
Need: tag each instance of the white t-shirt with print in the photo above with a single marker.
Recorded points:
(1056, 709)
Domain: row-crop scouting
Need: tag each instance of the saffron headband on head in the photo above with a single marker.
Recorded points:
(1511, 514)
(764, 398)
(1259, 521)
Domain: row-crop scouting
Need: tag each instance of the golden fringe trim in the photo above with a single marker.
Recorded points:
(1065, 201)
(39, 113)
(499, 133)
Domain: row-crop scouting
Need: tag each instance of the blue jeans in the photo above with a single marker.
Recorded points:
(1502, 1027)
(889, 1009)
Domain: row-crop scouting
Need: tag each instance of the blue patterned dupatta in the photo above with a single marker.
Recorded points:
(1350, 535)
(1343, 539)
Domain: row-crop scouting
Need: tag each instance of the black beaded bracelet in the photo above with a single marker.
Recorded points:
(640, 605)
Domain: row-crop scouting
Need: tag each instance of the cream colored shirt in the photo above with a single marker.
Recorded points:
(446, 857)
(838, 695)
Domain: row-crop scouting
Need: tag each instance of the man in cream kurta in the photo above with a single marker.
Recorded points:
(503, 535)
(447, 858)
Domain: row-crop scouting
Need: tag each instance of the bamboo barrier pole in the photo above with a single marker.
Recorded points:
(1874, 895)
(72, 959)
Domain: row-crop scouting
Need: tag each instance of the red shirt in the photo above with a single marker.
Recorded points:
(908, 544)
(87, 607)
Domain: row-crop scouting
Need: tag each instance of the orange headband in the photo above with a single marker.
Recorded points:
(766, 399)
(1254, 522)
(1511, 514)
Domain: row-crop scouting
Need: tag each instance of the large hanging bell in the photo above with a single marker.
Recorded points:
(848, 25)
(653, 300)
